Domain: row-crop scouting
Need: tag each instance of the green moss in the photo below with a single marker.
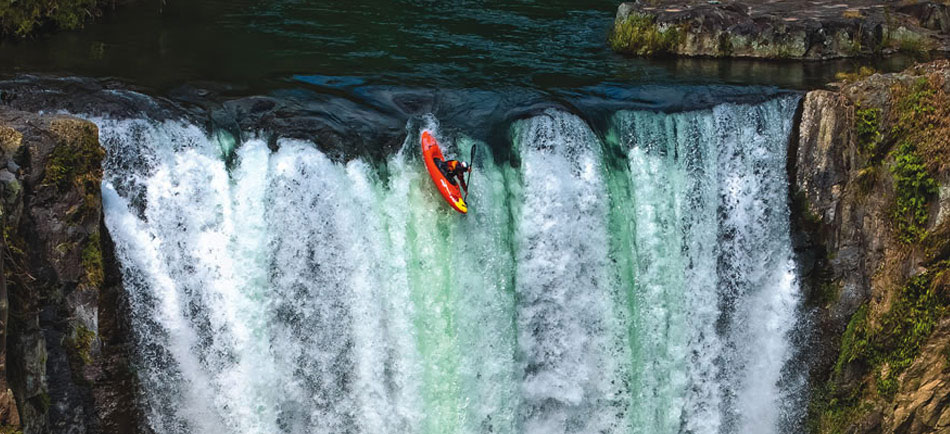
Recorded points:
(913, 107)
(13, 242)
(828, 293)
(76, 160)
(854, 342)
(867, 178)
(92, 261)
(24, 17)
(10, 429)
(851, 77)
(784, 52)
(867, 125)
(886, 384)
(639, 34)
(911, 319)
(832, 410)
(81, 343)
(914, 188)
(887, 349)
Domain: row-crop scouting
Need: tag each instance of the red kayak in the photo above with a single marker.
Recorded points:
(451, 192)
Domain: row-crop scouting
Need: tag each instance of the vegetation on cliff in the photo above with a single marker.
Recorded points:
(66, 334)
(901, 124)
(24, 17)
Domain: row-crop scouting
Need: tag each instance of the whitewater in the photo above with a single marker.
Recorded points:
(641, 280)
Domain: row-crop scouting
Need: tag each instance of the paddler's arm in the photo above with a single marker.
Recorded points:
(461, 177)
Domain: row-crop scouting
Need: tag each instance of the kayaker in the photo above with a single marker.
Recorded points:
(454, 169)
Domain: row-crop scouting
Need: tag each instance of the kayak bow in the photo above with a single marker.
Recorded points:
(450, 191)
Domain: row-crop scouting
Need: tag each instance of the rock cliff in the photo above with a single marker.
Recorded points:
(64, 320)
(873, 197)
(810, 30)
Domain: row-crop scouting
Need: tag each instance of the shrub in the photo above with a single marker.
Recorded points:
(914, 188)
(639, 34)
(24, 17)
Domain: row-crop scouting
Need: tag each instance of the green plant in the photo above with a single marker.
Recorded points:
(886, 384)
(914, 188)
(854, 342)
(886, 348)
(911, 319)
(92, 261)
(867, 124)
(828, 293)
(641, 35)
(24, 17)
(81, 343)
(913, 107)
(77, 157)
(851, 77)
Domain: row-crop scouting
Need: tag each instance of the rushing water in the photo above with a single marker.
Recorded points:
(643, 282)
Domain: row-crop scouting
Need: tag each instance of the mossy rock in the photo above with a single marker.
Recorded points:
(885, 348)
(92, 261)
(76, 159)
(81, 342)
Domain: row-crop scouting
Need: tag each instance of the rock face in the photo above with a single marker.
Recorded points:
(65, 319)
(873, 193)
(794, 29)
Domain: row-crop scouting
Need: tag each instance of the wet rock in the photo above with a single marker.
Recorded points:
(67, 330)
(810, 30)
(107, 98)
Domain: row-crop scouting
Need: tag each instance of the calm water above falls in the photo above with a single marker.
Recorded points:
(626, 266)
(257, 46)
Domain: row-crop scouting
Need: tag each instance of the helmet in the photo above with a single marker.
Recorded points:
(464, 166)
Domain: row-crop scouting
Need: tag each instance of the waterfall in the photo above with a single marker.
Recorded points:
(641, 283)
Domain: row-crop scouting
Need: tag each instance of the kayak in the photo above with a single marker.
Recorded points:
(451, 192)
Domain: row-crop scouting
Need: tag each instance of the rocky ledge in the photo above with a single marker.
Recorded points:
(63, 317)
(781, 29)
(871, 167)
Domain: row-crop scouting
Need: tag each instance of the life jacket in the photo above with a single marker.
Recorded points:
(451, 165)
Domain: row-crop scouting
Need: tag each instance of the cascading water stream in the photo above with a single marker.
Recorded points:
(644, 284)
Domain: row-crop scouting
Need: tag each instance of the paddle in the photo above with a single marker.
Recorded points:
(471, 172)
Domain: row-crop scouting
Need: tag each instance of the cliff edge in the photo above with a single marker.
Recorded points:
(64, 319)
(872, 174)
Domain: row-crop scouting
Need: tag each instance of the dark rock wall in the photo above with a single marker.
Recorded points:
(67, 333)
